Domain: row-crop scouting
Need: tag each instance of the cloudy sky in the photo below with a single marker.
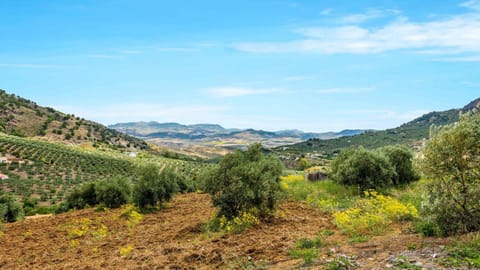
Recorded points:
(272, 64)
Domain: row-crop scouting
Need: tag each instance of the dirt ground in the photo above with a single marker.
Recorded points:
(173, 239)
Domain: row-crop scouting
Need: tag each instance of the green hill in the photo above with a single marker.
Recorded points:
(24, 118)
(411, 133)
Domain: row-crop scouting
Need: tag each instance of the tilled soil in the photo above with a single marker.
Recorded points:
(173, 238)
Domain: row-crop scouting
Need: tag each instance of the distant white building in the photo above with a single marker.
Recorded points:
(3, 176)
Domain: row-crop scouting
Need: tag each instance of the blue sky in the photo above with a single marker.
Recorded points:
(273, 64)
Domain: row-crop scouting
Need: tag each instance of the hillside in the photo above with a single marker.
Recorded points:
(47, 171)
(411, 133)
(24, 118)
(209, 140)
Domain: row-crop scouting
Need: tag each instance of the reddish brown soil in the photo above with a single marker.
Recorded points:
(173, 239)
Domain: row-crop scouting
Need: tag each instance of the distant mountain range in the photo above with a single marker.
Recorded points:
(411, 133)
(155, 130)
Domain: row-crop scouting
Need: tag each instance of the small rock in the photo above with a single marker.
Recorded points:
(418, 264)
(388, 265)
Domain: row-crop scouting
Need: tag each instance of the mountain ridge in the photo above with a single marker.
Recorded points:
(411, 133)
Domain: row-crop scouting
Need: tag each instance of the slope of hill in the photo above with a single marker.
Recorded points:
(24, 118)
(411, 133)
(47, 171)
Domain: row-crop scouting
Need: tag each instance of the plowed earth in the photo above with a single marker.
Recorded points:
(173, 239)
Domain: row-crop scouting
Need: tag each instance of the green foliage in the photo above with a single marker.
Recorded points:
(81, 197)
(245, 182)
(185, 184)
(452, 161)
(405, 134)
(307, 249)
(325, 195)
(113, 193)
(10, 210)
(154, 187)
(464, 254)
(363, 168)
(401, 159)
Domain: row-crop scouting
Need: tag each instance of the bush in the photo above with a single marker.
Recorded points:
(401, 159)
(113, 193)
(10, 210)
(451, 160)
(154, 187)
(363, 168)
(245, 182)
(373, 214)
(81, 197)
(185, 184)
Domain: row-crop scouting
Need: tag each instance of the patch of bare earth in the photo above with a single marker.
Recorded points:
(173, 239)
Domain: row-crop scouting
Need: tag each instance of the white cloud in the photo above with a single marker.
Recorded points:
(469, 58)
(371, 14)
(345, 90)
(104, 56)
(177, 49)
(459, 33)
(298, 78)
(473, 4)
(222, 92)
(30, 65)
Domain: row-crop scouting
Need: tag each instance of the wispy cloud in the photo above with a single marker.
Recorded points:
(177, 49)
(326, 11)
(104, 56)
(298, 78)
(222, 92)
(471, 84)
(345, 90)
(460, 33)
(469, 58)
(130, 51)
(30, 65)
(473, 4)
(371, 14)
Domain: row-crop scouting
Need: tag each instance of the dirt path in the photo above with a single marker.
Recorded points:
(173, 239)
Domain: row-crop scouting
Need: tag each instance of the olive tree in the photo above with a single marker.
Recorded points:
(245, 181)
(452, 161)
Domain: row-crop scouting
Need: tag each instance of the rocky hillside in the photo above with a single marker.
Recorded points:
(24, 118)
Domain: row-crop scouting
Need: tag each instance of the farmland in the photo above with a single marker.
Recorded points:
(48, 171)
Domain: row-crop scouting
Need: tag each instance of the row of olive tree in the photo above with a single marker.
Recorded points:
(367, 169)
(148, 190)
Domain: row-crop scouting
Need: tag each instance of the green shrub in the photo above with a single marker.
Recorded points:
(154, 187)
(452, 161)
(81, 197)
(363, 168)
(245, 182)
(401, 159)
(10, 210)
(185, 184)
(113, 193)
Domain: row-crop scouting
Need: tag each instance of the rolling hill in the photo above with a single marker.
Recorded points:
(24, 118)
(211, 139)
(411, 133)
